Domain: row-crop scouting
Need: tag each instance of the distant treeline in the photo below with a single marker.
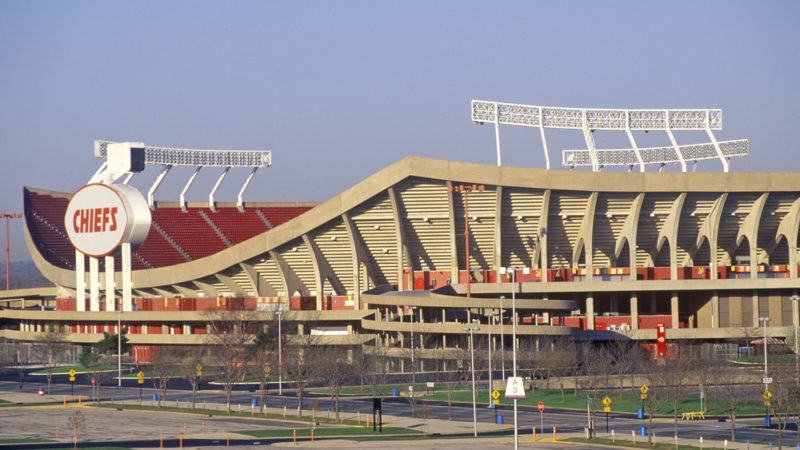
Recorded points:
(24, 274)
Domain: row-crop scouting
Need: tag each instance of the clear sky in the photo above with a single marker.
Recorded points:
(340, 89)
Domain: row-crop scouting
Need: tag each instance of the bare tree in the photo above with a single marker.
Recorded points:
(167, 365)
(51, 344)
(192, 368)
(453, 359)
(300, 365)
(731, 395)
(560, 361)
(377, 367)
(668, 380)
(334, 366)
(231, 333)
(627, 356)
(785, 396)
(597, 366)
(76, 422)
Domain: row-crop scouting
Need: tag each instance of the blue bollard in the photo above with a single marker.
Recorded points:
(394, 392)
(204, 404)
(499, 420)
(767, 421)
(155, 397)
(642, 430)
(640, 413)
(254, 402)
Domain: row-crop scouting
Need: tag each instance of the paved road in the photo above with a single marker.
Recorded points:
(566, 421)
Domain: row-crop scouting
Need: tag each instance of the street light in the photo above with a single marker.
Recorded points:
(472, 353)
(795, 298)
(489, 317)
(502, 340)
(525, 271)
(413, 366)
(466, 189)
(280, 354)
(8, 246)
(765, 320)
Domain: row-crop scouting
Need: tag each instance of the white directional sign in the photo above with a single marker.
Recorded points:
(515, 388)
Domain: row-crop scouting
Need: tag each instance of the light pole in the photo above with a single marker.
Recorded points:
(280, 354)
(8, 246)
(472, 353)
(413, 366)
(766, 374)
(466, 189)
(502, 340)
(489, 317)
(525, 271)
(119, 345)
(795, 298)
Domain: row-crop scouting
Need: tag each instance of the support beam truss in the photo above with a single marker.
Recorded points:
(655, 155)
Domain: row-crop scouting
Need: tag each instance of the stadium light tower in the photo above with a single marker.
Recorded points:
(8, 216)
(588, 120)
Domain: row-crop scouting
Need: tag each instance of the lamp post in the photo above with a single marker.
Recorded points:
(466, 189)
(119, 346)
(525, 271)
(489, 317)
(413, 365)
(280, 354)
(765, 320)
(8, 216)
(795, 298)
(502, 340)
(472, 353)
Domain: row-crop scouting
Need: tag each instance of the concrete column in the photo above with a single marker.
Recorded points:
(589, 312)
(756, 313)
(674, 309)
(614, 302)
(653, 303)
(634, 311)
(714, 310)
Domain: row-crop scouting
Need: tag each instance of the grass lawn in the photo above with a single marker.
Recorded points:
(24, 441)
(79, 369)
(643, 444)
(337, 431)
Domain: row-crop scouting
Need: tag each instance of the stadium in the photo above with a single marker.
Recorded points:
(428, 247)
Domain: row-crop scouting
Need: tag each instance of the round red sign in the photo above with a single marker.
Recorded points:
(541, 406)
(99, 217)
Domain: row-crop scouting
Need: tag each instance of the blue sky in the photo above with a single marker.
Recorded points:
(338, 90)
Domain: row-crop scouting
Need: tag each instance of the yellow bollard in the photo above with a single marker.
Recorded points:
(312, 435)
(184, 427)
(161, 441)
(534, 435)
(228, 442)
(204, 428)
(131, 434)
(79, 400)
(65, 401)
(367, 421)
(181, 440)
(56, 433)
(294, 435)
(554, 434)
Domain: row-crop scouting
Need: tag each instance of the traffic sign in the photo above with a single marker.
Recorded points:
(140, 374)
(606, 401)
(267, 370)
(515, 388)
(767, 395)
(199, 369)
(766, 403)
(71, 378)
(496, 401)
(643, 389)
(72, 372)
(495, 394)
(766, 380)
(541, 406)
(606, 409)
(141, 380)
(643, 396)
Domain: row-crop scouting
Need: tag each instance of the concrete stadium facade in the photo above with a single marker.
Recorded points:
(600, 255)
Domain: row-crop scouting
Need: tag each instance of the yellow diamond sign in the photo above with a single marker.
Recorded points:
(495, 394)
(606, 401)
(72, 372)
(643, 389)
(767, 395)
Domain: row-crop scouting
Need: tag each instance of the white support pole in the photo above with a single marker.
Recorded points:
(725, 165)
(128, 177)
(127, 302)
(497, 131)
(80, 281)
(587, 135)
(675, 146)
(211, 205)
(633, 141)
(94, 284)
(152, 191)
(186, 188)
(239, 200)
(544, 141)
(110, 288)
